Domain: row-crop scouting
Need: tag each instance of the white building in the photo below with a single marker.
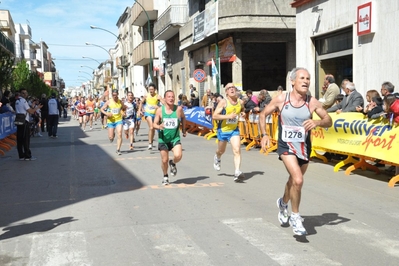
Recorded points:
(353, 39)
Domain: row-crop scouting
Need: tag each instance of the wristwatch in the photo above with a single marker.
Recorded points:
(262, 135)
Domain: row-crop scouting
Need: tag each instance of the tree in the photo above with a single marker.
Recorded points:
(6, 69)
(29, 80)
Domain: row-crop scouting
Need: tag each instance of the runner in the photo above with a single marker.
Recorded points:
(113, 110)
(151, 106)
(167, 120)
(138, 116)
(129, 119)
(81, 110)
(103, 117)
(227, 112)
(295, 122)
(90, 105)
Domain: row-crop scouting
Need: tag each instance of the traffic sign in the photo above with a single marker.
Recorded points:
(199, 75)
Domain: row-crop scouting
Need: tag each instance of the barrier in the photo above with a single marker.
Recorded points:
(354, 135)
(7, 132)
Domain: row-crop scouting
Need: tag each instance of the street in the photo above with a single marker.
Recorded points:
(80, 203)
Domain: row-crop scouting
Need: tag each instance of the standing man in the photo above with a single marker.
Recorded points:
(54, 111)
(23, 131)
(113, 110)
(150, 108)
(227, 112)
(44, 112)
(129, 119)
(167, 120)
(207, 99)
(295, 123)
(331, 91)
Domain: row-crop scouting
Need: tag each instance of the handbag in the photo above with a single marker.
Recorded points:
(19, 119)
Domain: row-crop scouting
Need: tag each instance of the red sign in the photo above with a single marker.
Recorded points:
(199, 75)
(364, 19)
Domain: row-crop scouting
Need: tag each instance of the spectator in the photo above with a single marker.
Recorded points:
(6, 103)
(194, 101)
(369, 95)
(54, 111)
(185, 102)
(374, 108)
(387, 88)
(351, 100)
(339, 98)
(44, 111)
(258, 103)
(331, 91)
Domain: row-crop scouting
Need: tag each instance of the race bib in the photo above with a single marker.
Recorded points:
(129, 112)
(115, 111)
(293, 134)
(232, 120)
(170, 123)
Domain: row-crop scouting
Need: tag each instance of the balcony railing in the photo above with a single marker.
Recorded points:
(7, 44)
(139, 17)
(165, 27)
(141, 54)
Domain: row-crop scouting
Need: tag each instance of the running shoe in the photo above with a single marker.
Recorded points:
(22, 159)
(91, 128)
(30, 159)
(216, 163)
(150, 146)
(111, 140)
(127, 136)
(283, 213)
(173, 168)
(239, 176)
(131, 147)
(118, 152)
(40, 134)
(297, 226)
(165, 181)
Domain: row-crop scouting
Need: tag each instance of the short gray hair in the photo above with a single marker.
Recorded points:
(295, 70)
(350, 86)
(388, 86)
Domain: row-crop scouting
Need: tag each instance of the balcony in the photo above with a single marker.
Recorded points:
(139, 17)
(141, 54)
(37, 63)
(6, 44)
(170, 21)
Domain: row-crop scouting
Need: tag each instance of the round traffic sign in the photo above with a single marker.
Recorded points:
(199, 75)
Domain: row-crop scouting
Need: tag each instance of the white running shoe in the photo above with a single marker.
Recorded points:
(239, 176)
(40, 134)
(150, 146)
(165, 181)
(216, 163)
(118, 152)
(297, 226)
(283, 212)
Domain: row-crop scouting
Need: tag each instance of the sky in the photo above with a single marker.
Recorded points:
(64, 25)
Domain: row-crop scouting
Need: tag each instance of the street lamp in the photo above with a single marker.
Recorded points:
(149, 36)
(86, 73)
(92, 59)
(111, 61)
(88, 67)
(123, 51)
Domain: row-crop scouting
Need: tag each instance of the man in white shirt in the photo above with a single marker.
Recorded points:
(23, 131)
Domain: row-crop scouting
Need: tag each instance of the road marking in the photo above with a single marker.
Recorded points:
(134, 158)
(372, 237)
(171, 244)
(182, 185)
(65, 248)
(272, 240)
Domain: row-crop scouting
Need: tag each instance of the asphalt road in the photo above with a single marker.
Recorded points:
(80, 203)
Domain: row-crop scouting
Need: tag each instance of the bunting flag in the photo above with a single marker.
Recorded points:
(214, 72)
(148, 80)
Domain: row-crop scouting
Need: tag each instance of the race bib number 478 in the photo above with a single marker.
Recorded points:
(170, 123)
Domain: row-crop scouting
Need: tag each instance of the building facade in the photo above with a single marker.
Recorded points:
(349, 39)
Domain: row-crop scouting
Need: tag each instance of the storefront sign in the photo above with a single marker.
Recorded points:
(364, 16)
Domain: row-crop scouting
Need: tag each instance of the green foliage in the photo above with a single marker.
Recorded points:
(6, 69)
(24, 78)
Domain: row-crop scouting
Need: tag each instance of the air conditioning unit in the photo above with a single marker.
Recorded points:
(165, 55)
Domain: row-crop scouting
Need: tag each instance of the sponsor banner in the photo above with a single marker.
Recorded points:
(197, 115)
(7, 126)
(356, 134)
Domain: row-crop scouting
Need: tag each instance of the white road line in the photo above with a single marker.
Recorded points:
(170, 243)
(66, 248)
(272, 240)
(372, 237)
